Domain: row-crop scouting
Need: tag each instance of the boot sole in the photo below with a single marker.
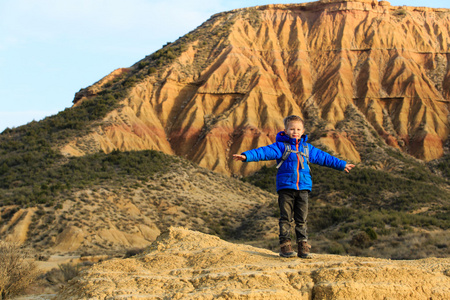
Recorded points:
(290, 255)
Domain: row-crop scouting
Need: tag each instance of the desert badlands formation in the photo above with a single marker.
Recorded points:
(365, 75)
(185, 264)
(226, 86)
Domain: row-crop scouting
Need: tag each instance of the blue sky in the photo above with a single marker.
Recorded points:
(50, 49)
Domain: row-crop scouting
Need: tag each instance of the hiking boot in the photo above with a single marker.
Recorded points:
(303, 249)
(286, 249)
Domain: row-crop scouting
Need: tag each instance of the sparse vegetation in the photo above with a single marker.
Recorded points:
(444, 166)
(400, 13)
(254, 18)
(385, 205)
(41, 181)
(16, 272)
(69, 271)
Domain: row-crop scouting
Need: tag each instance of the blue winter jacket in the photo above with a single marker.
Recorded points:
(290, 174)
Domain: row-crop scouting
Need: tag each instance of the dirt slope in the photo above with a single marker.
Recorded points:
(112, 218)
(184, 264)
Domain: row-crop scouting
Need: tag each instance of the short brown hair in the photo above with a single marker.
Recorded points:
(292, 118)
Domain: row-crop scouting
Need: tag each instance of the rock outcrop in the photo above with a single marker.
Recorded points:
(184, 264)
(228, 84)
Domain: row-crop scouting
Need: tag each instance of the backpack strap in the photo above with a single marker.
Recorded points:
(306, 155)
(288, 150)
(306, 152)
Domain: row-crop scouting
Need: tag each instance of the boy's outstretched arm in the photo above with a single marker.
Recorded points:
(348, 167)
(239, 157)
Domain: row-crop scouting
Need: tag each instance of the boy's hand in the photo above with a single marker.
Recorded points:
(239, 157)
(348, 167)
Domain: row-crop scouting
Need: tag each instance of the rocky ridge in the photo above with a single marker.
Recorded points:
(226, 86)
(184, 264)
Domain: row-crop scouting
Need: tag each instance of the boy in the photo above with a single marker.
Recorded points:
(293, 179)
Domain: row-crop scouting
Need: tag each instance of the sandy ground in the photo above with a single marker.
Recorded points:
(55, 260)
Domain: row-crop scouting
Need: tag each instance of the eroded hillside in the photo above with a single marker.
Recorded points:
(223, 88)
(226, 86)
(112, 213)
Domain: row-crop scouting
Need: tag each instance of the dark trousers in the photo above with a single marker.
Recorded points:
(293, 203)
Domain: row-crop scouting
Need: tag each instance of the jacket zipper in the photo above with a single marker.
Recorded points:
(298, 164)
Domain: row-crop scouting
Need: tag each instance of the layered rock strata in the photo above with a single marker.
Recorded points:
(230, 92)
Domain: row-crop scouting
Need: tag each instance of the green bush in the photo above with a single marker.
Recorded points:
(336, 248)
(444, 166)
(361, 240)
(400, 13)
(371, 233)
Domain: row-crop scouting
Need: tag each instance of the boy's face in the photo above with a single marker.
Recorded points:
(295, 129)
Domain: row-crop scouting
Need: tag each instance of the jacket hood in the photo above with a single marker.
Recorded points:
(283, 137)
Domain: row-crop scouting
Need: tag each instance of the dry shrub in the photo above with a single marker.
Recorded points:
(361, 240)
(63, 274)
(69, 271)
(16, 272)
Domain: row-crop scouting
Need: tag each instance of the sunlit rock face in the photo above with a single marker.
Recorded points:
(185, 264)
(241, 72)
